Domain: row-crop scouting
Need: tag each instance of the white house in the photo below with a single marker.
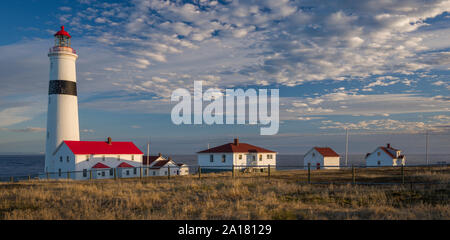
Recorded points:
(385, 156)
(96, 159)
(237, 155)
(321, 157)
(160, 166)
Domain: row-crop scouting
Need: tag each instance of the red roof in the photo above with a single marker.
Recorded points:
(387, 151)
(125, 165)
(326, 152)
(62, 32)
(93, 147)
(161, 163)
(100, 165)
(240, 147)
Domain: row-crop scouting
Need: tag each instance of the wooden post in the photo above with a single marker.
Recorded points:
(309, 173)
(199, 172)
(140, 172)
(11, 179)
(68, 175)
(168, 172)
(353, 175)
(90, 174)
(268, 170)
(29, 177)
(403, 174)
(232, 171)
(47, 176)
(115, 173)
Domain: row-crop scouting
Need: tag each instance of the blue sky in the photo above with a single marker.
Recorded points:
(379, 68)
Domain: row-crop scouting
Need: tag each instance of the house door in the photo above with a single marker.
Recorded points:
(318, 165)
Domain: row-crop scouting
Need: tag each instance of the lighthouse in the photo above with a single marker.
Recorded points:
(62, 114)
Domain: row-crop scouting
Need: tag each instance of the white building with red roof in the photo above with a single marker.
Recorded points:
(96, 159)
(236, 154)
(160, 166)
(321, 157)
(385, 156)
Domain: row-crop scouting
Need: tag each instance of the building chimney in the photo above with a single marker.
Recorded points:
(159, 155)
(388, 145)
(170, 158)
(109, 141)
(236, 141)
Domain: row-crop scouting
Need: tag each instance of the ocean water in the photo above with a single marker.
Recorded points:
(24, 165)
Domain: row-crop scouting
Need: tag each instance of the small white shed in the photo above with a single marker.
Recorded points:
(321, 157)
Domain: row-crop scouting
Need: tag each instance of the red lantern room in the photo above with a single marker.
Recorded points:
(62, 38)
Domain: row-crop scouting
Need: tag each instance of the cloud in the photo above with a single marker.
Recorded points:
(24, 130)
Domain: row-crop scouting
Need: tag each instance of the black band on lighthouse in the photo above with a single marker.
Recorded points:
(62, 87)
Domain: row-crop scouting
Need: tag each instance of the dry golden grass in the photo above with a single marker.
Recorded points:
(248, 196)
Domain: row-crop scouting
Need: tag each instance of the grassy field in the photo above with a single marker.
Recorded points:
(285, 195)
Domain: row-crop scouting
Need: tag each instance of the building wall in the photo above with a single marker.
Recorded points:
(331, 162)
(379, 158)
(314, 158)
(61, 164)
(239, 160)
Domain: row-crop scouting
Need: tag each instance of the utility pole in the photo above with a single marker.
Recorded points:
(346, 146)
(148, 150)
(426, 147)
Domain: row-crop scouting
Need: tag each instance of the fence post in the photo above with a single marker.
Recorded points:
(199, 172)
(11, 179)
(68, 175)
(168, 172)
(353, 175)
(115, 173)
(232, 171)
(403, 174)
(47, 176)
(309, 173)
(29, 177)
(90, 174)
(268, 170)
(140, 172)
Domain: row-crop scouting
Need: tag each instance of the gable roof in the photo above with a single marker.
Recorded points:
(326, 152)
(151, 159)
(160, 163)
(100, 165)
(101, 147)
(240, 147)
(125, 165)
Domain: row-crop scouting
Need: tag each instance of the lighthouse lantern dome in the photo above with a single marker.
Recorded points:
(62, 38)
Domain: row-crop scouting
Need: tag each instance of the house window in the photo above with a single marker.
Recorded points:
(111, 172)
(314, 154)
(103, 158)
(269, 156)
(260, 157)
(379, 162)
(378, 153)
(254, 158)
(132, 157)
(60, 159)
(134, 171)
(224, 158)
(211, 158)
(154, 173)
(59, 172)
(103, 173)
(84, 172)
(165, 172)
(128, 172)
(240, 156)
(67, 158)
(145, 172)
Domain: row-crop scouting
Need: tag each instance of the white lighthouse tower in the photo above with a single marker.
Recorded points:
(62, 115)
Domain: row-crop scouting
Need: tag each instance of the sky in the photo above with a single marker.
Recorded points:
(379, 68)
